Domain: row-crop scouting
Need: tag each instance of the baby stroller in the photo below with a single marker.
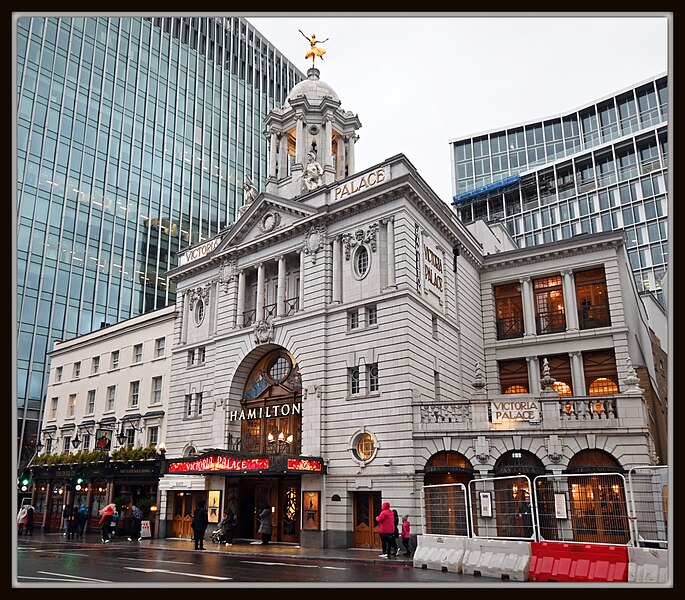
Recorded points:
(217, 536)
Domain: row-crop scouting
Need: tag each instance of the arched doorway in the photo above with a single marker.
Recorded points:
(271, 424)
(515, 471)
(598, 499)
(446, 505)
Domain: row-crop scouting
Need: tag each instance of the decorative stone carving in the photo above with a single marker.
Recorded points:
(368, 237)
(632, 381)
(228, 273)
(263, 331)
(445, 413)
(199, 292)
(479, 382)
(270, 221)
(555, 448)
(482, 447)
(313, 241)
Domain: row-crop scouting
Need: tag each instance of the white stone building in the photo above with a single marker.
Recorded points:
(348, 340)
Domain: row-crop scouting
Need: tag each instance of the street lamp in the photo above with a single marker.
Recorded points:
(122, 437)
(76, 442)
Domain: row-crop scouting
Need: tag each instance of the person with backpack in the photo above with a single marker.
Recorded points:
(136, 522)
(82, 519)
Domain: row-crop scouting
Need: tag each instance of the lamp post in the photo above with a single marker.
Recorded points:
(121, 438)
(76, 442)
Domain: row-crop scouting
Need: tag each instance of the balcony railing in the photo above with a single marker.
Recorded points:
(249, 317)
(509, 327)
(270, 311)
(593, 316)
(550, 322)
(291, 306)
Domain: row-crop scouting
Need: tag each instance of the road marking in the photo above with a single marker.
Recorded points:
(155, 560)
(72, 577)
(168, 572)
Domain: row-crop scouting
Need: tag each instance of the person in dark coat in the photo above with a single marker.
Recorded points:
(227, 526)
(82, 519)
(136, 523)
(394, 548)
(199, 525)
(106, 515)
(71, 516)
(265, 526)
(386, 529)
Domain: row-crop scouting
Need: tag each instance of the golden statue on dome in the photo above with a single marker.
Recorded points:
(314, 51)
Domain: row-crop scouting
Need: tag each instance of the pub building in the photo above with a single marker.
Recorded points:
(348, 340)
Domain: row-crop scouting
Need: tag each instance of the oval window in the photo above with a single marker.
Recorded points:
(364, 447)
(199, 311)
(361, 261)
(280, 369)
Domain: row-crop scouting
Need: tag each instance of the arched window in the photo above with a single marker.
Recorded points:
(603, 386)
(516, 389)
(563, 389)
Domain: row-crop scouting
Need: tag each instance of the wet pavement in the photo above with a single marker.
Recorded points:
(240, 547)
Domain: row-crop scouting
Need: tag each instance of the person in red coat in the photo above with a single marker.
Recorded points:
(386, 529)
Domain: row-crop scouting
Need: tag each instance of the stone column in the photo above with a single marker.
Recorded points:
(301, 290)
(280, 292)
(350, 153)
(300, 150)
(340, 159)
(390, 233)
(186, 315)
(534, 375)
(337, 270)
(528, 307)
(570, 303)
(240, 313)
(327, 133)
(577, 374)
(259, 313)
(282, 156)
(273, 153)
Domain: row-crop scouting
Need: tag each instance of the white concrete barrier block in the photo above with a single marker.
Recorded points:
(500, 559)
(647, 565)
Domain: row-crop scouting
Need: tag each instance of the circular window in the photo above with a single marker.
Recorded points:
(361, 262)
(280, 369)
(364, 447)
(199, 311)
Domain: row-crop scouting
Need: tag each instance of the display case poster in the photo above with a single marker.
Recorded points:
(485, 504)
(214, 505)
(560, 506)
(310, 512)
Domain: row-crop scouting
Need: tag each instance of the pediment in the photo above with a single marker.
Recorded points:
(266, 215)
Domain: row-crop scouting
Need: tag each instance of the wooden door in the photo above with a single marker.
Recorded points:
(289, 511)
(367, 506)
(184, 505)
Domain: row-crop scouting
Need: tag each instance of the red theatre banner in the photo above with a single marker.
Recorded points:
(298, 464)
(219, 463)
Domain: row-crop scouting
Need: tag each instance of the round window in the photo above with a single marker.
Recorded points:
(361, 261)
(364, 447)
(280, 369)
(199, 311)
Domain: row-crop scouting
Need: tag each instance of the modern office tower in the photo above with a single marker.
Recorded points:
(133, 140)
(600, 167)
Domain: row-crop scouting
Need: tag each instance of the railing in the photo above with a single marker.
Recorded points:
(270, 311)
(592, 507)
(550, 322)
(590, 408)
(249, 317)
(593, 316)
(291, 306)
(509, 327)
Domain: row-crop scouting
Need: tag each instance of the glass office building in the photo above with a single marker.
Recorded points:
(133, 139)
(601, 167)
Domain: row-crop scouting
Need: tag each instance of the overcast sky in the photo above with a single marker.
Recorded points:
(418, 82)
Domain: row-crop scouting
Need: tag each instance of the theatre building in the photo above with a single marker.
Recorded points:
(349, 340)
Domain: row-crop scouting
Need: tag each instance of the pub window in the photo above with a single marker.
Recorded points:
(601, 376)
(591, 298)
(513, 376)
(508, 311)
(549, 305)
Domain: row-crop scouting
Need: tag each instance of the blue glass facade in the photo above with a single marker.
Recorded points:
(134, 136)
(598, 168)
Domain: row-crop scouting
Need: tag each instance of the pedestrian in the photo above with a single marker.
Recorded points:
(265, 526)
(136, 523)
(106, 515)
(396, 533)
(82, 519)
(71, 515)
(386, 529)
(199, 525)
(227, 527)
(406, 534)
(527, 518)
(30, 511)
(21, 519)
